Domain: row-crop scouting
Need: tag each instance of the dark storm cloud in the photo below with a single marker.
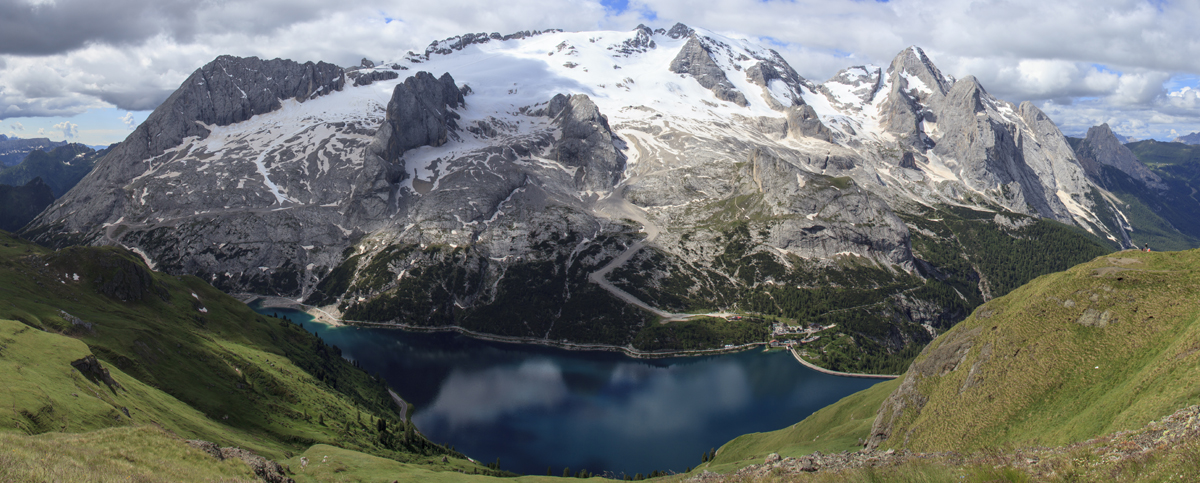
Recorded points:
(133, 100)
(50, 28)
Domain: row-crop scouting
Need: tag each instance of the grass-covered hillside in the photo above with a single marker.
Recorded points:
(1075, 363)
(90, 339)
(1106, 346)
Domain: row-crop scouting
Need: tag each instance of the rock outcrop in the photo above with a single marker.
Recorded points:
(265, 469)
(420, 114)
(367, 78)
(90, 367)
(802, 121)
(915, 84)
(694, 59)
(586, 143)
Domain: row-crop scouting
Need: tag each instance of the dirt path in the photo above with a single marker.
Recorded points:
(616, 207)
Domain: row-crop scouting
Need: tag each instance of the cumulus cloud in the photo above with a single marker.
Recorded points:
(66, 56)
(16, 126)
(69, 130)
(128, 120)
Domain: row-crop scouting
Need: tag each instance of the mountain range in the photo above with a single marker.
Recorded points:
(13, 150)
(577, 185)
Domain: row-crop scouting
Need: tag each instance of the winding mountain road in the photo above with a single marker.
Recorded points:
(616, 207)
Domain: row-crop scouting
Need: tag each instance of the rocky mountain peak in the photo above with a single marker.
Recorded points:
(1102, 148)
(911, 70)
(226, 91)
(696, 60)
(1193, 138)
(679, 31)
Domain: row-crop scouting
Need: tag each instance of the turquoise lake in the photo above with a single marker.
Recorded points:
(535, 407)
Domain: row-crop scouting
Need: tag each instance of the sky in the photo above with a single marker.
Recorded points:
(89, 71)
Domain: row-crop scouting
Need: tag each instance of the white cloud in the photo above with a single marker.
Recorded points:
(69, 130)
(128, 120)
(16, 126)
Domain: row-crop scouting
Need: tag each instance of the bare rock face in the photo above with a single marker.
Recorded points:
(694, 59)
(225, 91)
(586, 143)
(1102, 148)
(915, 82)
(419, 114)
(679, 31)
(802, 121)
(91, 368)
(821, 219)
(989, 153)
(367, 78)
(265, 469)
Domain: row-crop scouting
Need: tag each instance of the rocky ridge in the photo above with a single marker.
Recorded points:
(1102, 148)
(1193, 138)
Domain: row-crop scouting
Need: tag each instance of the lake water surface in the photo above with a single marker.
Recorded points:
(535, 407)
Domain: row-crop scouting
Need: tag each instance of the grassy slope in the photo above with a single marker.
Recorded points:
(833, 429)
(143, 454)
(332, 464)
(224, 374)
(1045, 379)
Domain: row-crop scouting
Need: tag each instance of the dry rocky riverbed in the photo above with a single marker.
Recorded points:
(1111, 451)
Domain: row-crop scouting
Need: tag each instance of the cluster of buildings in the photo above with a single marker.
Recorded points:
(780, 329)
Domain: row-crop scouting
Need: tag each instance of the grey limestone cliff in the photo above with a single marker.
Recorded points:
(225, 91)
(420, 114)
(586, 143)
(694, 59)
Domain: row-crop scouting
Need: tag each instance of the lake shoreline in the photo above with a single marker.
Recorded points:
(321, 316)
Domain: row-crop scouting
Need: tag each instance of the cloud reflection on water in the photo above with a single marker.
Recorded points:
(635, 399)
(482, 396)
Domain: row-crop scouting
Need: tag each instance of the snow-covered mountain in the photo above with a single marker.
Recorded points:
(437, 185)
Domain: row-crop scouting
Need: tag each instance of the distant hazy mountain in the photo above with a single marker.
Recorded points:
(1153, 182)
(61, 168)
(19, 204)
(1120, 138)
(1193, 138)
(13, 150)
